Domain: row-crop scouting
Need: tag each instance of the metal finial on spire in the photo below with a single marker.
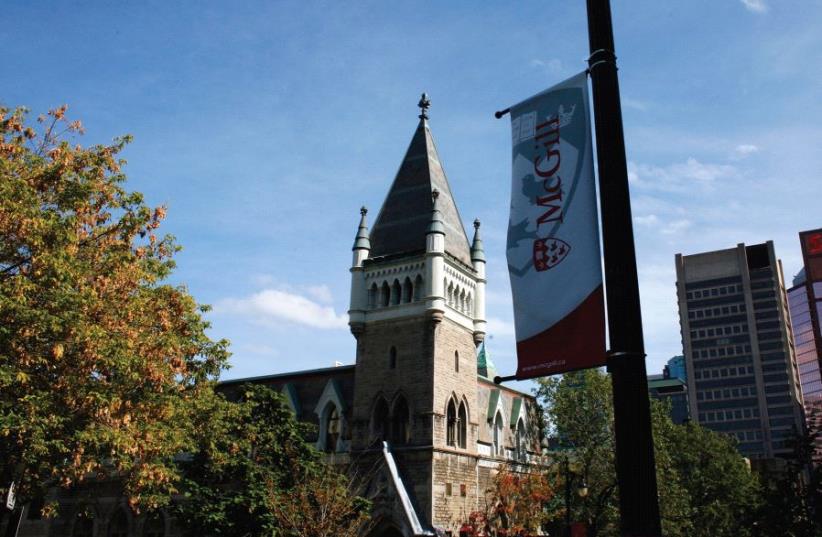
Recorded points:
(424, 104)
(435, 193)
(363, 210)
(476, 223)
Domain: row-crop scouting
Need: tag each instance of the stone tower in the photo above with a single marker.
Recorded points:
(418, 312)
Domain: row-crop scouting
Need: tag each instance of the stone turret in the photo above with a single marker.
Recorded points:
(478, 262)
(359, 293)
(435, 262)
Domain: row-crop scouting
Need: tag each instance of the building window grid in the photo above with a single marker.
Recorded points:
(726, 394)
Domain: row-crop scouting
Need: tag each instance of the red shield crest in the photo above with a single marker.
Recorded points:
(549, 253)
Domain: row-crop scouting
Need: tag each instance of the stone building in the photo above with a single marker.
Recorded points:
(418, 413)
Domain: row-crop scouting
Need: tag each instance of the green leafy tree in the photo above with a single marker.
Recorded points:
(102, 364)
(793, 498)
(706, 487)
(579, 415)
(254, 475)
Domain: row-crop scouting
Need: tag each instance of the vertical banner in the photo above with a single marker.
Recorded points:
(553, 234)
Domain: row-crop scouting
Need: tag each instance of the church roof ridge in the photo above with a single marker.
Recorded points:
(403, 219)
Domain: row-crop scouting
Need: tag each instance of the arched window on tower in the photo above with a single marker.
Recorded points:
(332, 428)
(451, 424)
(498, 435)
(392, 358)
(418, 287)
(380, 421)
(469, 305)
(400, 422)
(373, 296)
(118, 526)
(521, 441)
(385, 294)
(407, 290)
(462, 426)
(451, 294)
(396, 292)
(457, 361)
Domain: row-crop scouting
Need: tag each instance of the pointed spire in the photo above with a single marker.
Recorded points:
(402, 223)
(485, 367)
(362, 242)
(436, 225)
(477, 252)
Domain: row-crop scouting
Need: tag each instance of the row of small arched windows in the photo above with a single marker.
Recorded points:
(458, 298)
(392, 425)
(381, 296)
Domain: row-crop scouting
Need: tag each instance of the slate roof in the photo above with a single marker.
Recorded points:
(401, 225)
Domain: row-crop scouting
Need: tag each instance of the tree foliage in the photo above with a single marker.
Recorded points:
(514, 504)
(254, 475)
(102, 364)
(705, 485)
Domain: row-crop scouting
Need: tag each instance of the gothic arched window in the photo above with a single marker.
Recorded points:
(521, 440)
(498, 434)
(154, 526)
(407, 290)
(469, 305)
(373, 296)
(400, 422)
(385, 294)
(418, 287)
(118, 527)
(451, 424)
(379, 422)
(462, 426)
(332, 428)
(392, 358)
(396, 292)
(461, 306)
(457, 361)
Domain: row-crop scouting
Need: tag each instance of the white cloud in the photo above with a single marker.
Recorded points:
(635, 104)
(743, 150)
(649, 220)
(757, 6)
(321, 293)
(272, 305)
(553, 66)
(680, 176)
(676, 226)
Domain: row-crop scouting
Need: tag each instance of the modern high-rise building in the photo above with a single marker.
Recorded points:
(676, 368)
(805, 299)
(736, 336)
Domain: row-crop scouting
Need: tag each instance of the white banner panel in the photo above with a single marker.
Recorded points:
(553, 236)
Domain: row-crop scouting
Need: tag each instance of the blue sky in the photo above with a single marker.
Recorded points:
(264, 126)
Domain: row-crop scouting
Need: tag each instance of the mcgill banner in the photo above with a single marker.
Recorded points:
(553, 234)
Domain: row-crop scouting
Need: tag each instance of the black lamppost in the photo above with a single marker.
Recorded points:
(582, 492)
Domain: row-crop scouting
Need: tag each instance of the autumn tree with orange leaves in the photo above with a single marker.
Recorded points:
(102, 363)
(515, 504)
